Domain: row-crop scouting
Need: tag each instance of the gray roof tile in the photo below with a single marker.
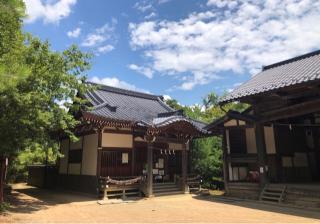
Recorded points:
(290, 72)
(120, 104)
(144, 109)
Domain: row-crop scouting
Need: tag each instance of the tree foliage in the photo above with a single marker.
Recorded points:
(206, 154)
(39, 89)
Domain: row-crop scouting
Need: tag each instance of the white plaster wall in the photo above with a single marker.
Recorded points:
(64, 149)
(269, 140)
(232, 122)
(117, 140)
(251, 140)
(89, 155)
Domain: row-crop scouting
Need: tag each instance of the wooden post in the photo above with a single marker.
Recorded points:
(133, 159)
(99, 149)
(184, 163)
(225, 162)
(262, 154)
(149, 170)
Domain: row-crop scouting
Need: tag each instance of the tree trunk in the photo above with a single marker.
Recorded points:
(2, 176)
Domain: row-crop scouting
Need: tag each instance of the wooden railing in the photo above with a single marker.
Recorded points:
(194, 182)
(119, 186)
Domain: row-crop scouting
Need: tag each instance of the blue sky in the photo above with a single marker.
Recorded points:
(184, 49)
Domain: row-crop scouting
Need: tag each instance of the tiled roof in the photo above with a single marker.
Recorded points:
(141, 108)
(287, 73)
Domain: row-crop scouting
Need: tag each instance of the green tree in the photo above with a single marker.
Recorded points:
(206, 154)
(210, 100)
(39, 91)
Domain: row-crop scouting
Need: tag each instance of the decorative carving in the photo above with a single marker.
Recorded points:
(151, 134)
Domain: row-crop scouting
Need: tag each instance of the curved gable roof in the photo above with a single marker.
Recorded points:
(140, 108)
(121, 104)
(290, 72)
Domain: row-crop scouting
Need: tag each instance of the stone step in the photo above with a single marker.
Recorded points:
(276, 199)
(167, 189)
(164, 186)
(272, 194)
(276, 194)
(167, 193)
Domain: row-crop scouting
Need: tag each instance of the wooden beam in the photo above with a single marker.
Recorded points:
(292, 111)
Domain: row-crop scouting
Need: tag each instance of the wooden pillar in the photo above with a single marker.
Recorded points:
(262, 154)
(133, 173)
(149, 170)
(225, 162)
(99, 152)
(184, 168)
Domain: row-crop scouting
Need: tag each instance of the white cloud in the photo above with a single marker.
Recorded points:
(163, 1)
(105, 48)
(143, 6)
(167, 97)
(115, 82)
(74, 33)
(142, 70)
(98, 38)
(93, 39)
(150, 16)
(222, 3)
(238, 37)
(48, 11)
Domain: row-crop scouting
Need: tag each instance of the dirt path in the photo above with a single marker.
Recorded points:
(38, 206)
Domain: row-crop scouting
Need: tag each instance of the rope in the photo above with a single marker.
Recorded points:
(123, 182)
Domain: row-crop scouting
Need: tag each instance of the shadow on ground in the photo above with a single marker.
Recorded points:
(29, 199)
(261, 206)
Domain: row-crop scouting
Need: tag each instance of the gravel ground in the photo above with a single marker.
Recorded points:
(32, 205)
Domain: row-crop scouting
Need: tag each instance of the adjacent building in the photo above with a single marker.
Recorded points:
(272, 149)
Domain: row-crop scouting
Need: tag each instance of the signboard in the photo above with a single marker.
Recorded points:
(125, 158)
